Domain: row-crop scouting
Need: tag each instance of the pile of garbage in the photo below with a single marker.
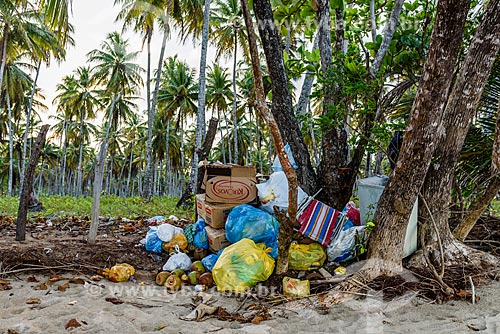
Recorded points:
(234, 243)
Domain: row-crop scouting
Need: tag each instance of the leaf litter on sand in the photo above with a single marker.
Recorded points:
(72, 324)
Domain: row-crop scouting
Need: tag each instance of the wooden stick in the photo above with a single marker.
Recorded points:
(473, 290)
(39, 267)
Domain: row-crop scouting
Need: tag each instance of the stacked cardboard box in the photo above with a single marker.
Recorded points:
(226, 186)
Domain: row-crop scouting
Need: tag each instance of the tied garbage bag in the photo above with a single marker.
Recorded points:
(153, 243)
(178, 240)
(245, 221)
(196, 234)
(242, 265)
(166, 232)
(306, 257)
(274, 192)
(342, 248)
(177, 261)
(200, 239)
(119, 273)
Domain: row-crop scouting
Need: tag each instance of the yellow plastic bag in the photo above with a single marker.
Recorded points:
(119, 273)
(295, 287)
(306, 257)
(242, 265)
(177, 240)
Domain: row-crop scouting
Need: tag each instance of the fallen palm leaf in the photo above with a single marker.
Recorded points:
(199, 312)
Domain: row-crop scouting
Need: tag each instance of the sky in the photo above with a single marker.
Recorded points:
(93, 20)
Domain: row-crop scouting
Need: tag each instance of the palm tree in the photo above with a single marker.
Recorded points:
(133, 131)
(177, 96)
(227, 21)
(192, 10)
(16, 83)
(219, 92)
(41, 43)
(141, 15)
(80, 98)
(66, 110)
(87, 102)
(116, 70)
(56, 14)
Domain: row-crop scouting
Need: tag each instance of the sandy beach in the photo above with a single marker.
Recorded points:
(149, 308)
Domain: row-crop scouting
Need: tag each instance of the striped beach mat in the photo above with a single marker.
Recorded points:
(320, 222)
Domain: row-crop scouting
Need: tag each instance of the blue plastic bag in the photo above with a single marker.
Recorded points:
(200, 238)
(153, 243)
(276, 163)
(245, 221)
(209, 261)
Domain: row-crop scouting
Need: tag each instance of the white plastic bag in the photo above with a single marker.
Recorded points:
(274, 192)
(177, 261)
(166, 232)
(342, 248)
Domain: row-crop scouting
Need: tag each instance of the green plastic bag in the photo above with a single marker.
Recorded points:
(306, 257)
(242, 265)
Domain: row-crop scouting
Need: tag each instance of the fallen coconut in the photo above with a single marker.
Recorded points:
(193, 277)
(161, 278)
(178, 272)
(197, 266)
(173, 283)
(206, 279)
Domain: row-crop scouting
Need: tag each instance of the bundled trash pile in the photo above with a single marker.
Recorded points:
(234, 243)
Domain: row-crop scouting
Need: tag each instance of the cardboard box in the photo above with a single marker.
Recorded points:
(216, 213)
(230, 184)
(200, 205)
(216, 238)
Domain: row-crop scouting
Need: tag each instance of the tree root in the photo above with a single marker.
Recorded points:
(461, 262)
(456, 253)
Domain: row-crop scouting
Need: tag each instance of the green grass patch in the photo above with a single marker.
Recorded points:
(111, 206)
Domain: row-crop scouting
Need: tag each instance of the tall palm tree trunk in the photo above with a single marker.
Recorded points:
(229, 146)
(98, 177)
(80, 158)
(148, 177)
(11, 145)
(183, 156)
(130, 169)
(167, 154)
(63, 162)
(235, 96)
(152, 111)
(28, 121)
(200, 119)
(4, 54)
(223, 148)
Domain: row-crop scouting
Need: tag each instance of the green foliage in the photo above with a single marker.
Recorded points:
(111, 206)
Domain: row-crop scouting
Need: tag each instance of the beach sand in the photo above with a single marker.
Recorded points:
(157, 311)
